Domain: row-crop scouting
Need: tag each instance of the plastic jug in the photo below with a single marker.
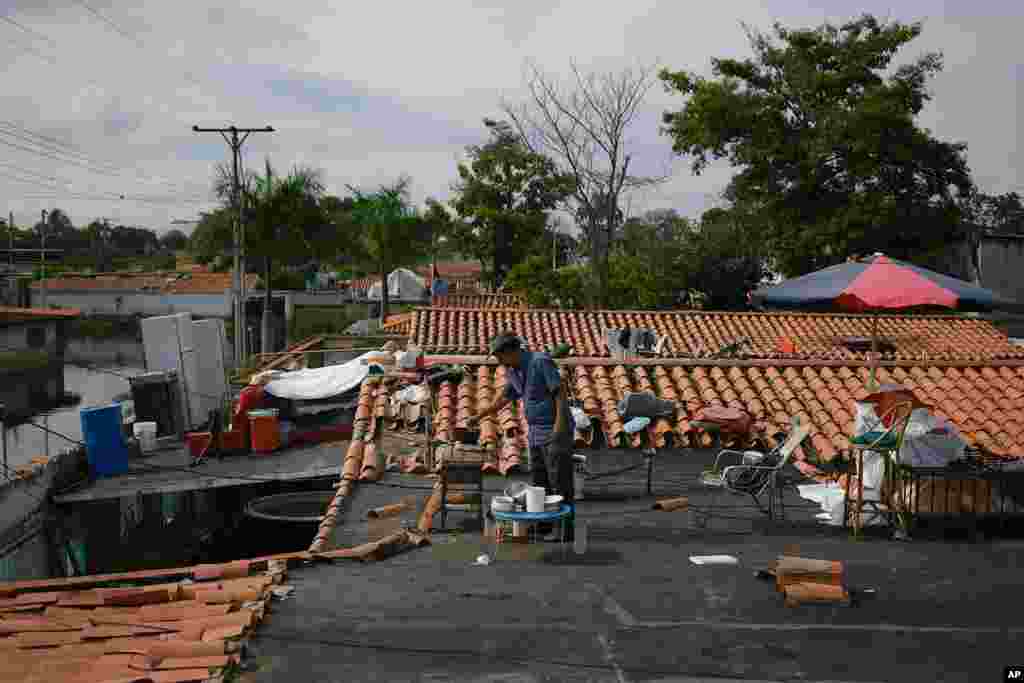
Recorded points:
(535, 499)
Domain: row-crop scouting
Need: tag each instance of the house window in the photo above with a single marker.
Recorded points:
(36, 337)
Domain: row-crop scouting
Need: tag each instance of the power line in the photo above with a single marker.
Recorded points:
(50, 154)
(109, 23)
(53, 145)
(26, 29)
(48, 144)
(32, 51)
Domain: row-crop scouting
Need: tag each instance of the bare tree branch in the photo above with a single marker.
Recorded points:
(583, 128)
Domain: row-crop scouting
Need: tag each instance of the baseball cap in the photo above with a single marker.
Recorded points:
(506, 341)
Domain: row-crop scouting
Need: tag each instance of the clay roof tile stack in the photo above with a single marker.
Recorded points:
(59, 630)
(985, 404)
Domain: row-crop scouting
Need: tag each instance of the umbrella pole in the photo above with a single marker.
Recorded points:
(873, 384)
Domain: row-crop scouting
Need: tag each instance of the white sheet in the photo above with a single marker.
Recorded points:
(311, 384)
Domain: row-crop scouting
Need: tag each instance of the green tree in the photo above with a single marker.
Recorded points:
(284, 215)
(584, 126)
(212, 238)
(650, 255)
(538, 281)
(822, 131)
(503, 197)
(99, 233)
(723, 260)
(393, 235)
(174, 239)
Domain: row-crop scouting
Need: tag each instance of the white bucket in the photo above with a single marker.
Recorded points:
(145, 432)
(535, 499)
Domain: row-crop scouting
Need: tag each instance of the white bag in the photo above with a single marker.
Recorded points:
(921, 423)
(866, 419)
(581, 419)
(874, 470)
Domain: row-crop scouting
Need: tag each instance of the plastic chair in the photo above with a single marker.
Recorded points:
(888, 444)
(466, 475)
(758, 478)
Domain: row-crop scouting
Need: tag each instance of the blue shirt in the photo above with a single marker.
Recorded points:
(536, 381)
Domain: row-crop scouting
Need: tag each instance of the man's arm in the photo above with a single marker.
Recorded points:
(492, 409)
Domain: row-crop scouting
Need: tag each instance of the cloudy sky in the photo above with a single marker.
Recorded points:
(99, 98)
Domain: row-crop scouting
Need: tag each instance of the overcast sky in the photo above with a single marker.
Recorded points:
(368, 91)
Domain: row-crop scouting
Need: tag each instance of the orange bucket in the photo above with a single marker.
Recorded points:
(265, 431)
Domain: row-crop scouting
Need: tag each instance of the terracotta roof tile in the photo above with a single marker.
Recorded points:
(165, 282)
(453, 269)
(986, 404)
(697, 334)
(13, 313)
(502, 301)
(164, 632)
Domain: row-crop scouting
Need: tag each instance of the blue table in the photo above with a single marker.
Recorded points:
(531, 519)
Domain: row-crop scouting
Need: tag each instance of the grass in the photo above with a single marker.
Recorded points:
(310, 321)
(90, 328)
(23, 360)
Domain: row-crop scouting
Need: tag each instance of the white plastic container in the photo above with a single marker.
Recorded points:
(579, 475)
(535, 499)
(145, 432)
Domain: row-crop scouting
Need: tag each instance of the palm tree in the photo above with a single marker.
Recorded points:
(393, 234)
(284, 211)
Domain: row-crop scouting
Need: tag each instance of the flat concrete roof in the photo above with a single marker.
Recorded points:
(168, 471)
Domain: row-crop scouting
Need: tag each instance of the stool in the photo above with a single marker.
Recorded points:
(465, 475)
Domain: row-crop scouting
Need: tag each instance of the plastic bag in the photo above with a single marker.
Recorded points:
(830, 497)
(921, 422)
(874, 470)
(636, 424)
(866, 419)
(581, 419)
(645, 404)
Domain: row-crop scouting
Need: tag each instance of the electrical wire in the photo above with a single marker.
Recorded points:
(54, 146)
(434, 653)
(51, 144)
(109, 23)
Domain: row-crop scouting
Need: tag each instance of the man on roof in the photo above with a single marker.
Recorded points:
(534, 377)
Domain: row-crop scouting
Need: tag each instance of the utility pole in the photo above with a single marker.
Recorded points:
(42, 282)
(235, 143)
(10, 239)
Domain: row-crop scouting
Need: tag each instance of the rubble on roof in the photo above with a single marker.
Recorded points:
(986, 404)
(183, 630)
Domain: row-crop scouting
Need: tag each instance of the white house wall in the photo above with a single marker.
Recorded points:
(131, 302)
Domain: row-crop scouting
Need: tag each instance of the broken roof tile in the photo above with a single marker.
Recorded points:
(982, 403)
(122, 634)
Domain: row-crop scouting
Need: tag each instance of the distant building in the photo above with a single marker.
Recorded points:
(33, 343)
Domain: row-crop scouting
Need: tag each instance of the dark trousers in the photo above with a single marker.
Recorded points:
(553, 471)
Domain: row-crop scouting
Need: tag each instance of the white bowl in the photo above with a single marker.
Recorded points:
(502, 504)
(516, 489)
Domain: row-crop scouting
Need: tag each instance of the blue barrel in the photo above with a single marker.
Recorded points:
(105, 448)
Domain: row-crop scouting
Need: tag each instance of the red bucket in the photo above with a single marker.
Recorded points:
(197, 442)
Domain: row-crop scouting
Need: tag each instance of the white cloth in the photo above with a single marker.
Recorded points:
(316, 383)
